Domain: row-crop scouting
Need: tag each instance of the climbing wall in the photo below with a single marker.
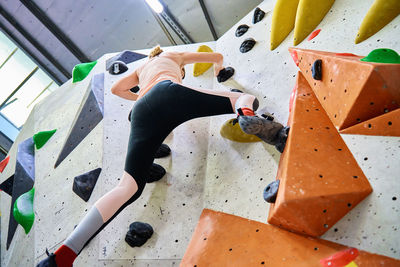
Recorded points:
(237, 173)
(204, 169)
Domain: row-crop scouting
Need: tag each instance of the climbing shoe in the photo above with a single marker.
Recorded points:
(50, 261)
(156, 172)
(162, 151)
(266, 129)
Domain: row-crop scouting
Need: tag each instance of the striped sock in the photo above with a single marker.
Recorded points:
(65, 256)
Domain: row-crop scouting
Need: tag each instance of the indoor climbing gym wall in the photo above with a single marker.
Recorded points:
(334, 195)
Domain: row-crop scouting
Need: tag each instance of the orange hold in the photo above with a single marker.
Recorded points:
(4, 163)
(351, 91)
(222, 240)
(320, 181)
(387, 124)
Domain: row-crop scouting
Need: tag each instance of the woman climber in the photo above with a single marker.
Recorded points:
(162, 104)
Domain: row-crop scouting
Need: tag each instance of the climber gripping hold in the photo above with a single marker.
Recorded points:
(162, 103)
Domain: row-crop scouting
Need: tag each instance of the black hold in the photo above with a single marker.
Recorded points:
(24, 178)
(85, 121)
(117, 67)
(236, 90)
(126, 57)
(316, 70)
(242, 29)
(7, 185)
(247, 45)
(282, 137)
(138, 234)
(271, 191)
(156, 172)
(258, 15)
(135, 89)
(225, 74)
(84, 184)
(163, 151)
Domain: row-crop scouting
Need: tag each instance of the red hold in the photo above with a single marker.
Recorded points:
(341, 258)
(293, 53)
(313, 34)
(4, 163)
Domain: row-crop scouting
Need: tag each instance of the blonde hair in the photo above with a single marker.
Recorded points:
(155, 52)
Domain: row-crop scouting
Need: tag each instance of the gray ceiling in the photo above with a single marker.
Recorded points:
(97, 27)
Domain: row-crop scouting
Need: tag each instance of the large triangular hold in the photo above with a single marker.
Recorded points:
(320, 181)
(87, 118)
(23, 210)
(84, 184)
(351, 91)
(81, 71)
(387, 125)
(222, 239)
(24, 178)
(125, 56)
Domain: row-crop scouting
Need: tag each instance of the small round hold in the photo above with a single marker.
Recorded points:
(242, 29)
(316, 70)
(225, 74)
(135, 89)
(271, 191)
(236, 90)
(247, 45)
(117, 67)
(258, 15)
(156, 172)
(162, 151)
(138, 234)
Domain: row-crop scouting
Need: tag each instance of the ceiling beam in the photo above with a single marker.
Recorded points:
(34, 42)
(208, 19)
(55, 30)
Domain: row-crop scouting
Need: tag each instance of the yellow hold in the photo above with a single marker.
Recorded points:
(235, 133)
(283, 20)
(351, 264)
(200, 68)
(381, 13)
(309, 14)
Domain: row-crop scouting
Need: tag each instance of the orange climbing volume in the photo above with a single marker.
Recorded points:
(387, 124)
(320, 181)
(222, 240)
(351, 91)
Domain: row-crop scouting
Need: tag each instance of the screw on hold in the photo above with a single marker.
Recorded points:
(242, 29)
(247, 45)
(271, 191)
(316, 70)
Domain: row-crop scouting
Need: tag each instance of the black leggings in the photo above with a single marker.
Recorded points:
(154, 116)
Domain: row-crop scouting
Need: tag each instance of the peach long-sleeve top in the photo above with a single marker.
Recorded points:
(166, 66)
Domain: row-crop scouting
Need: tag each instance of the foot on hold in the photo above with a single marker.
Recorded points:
(266, 129)
(271, 191)
(282, 137)
(163, 151)
(138, 234)
(156, 172)
(50, 261)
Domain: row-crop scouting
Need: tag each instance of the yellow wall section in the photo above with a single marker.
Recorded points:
(380, 14)
(309, 14)
(200, 68)
(283, 20)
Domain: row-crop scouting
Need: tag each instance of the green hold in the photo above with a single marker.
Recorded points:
(23, 210)
(41, 138)
(382, 55)
(82, 70)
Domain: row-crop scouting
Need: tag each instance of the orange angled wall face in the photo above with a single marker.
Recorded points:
(222, 240)
(351, 91)
(387, 125)
(320, 181)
